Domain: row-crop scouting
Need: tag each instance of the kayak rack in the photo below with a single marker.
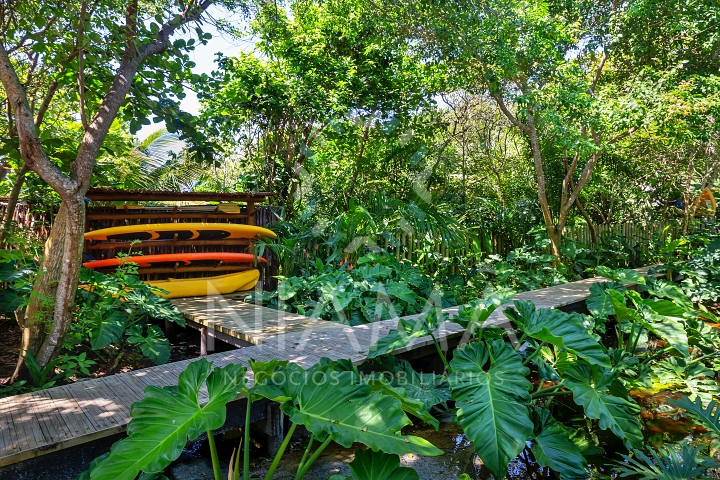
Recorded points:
(112, 208)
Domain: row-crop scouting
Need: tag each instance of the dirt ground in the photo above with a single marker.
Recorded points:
(185, 345)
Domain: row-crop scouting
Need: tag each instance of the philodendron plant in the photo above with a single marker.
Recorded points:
(330, 399)
(505, 381)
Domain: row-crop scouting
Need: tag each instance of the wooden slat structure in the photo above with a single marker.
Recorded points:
(176, 207)
(41, 422)
(230, 319)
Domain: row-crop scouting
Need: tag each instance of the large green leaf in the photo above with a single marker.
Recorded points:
(666, 328)
(564, 330)
(429, 388)
(621, 275)
(473, 316)
(369, 465)
(599, 302)
(407, 331)
(687, 376)
(408, 404)
(707, 416)
(664, 289)
(553, 448)
(154, 345)
(167, 418)
(490, 388)
(108, 326)
(590, 386)
(339, 404)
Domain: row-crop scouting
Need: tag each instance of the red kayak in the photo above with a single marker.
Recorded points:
(170, 259)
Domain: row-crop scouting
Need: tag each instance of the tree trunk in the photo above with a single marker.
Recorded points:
(49, 313)
(555, 233)
(591, 226)
(12, 201)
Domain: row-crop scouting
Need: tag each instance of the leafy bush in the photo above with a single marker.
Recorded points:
(330, 399)
(376, 287)
(119, 307)
(654, 336)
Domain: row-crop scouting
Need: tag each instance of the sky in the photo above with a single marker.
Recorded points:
(204, 58)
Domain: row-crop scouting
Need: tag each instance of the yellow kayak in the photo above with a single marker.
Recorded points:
(199, 287)
(180, 231)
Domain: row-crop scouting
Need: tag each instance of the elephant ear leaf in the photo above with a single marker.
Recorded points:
(167, 418)
(567, 331)
(553, 448)
(154, 345)
(410, 405)
(623, 275)
(491, 401)
(707, 416)
(590, 387)
(369, 465)
(108, 326)
(473, 316)
(339, 405)
(599, 302)
(407, 331)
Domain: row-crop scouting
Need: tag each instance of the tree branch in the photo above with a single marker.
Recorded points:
(31, 149)
(45, 105)
(97, 129)
(501, 103)
(81, 64)
(623, 135)
(598, 72)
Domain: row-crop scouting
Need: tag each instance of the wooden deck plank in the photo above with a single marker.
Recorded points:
(35, 423)
(231, 315)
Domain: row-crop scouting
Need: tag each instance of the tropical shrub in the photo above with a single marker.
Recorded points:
(508, 384)
(375, 287)
(331, 399)
(118, 307)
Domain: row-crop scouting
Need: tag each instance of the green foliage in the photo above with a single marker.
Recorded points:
(553, 448)
(370, 465)
(338, 405)
(672, 462)
(706, 416)
(592, 389)
(687, 376)
(473, 315)
(167, 418)
(562, 330)
(16, 270)
(492, 401)
(119, 307)
(67, 366)
(407, 331)
(375, 288)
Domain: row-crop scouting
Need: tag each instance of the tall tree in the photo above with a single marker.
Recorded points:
(318, 67)
(97, 52)
(557, 70)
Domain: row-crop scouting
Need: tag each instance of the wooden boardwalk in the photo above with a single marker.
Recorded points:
(41, 422)
(230, 319)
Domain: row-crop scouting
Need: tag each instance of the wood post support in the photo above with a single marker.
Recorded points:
(203, 341)
(274, 427)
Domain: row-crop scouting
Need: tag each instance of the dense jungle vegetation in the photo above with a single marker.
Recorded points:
(420, 155)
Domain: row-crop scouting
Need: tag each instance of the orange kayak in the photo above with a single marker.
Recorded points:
(171, 259)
